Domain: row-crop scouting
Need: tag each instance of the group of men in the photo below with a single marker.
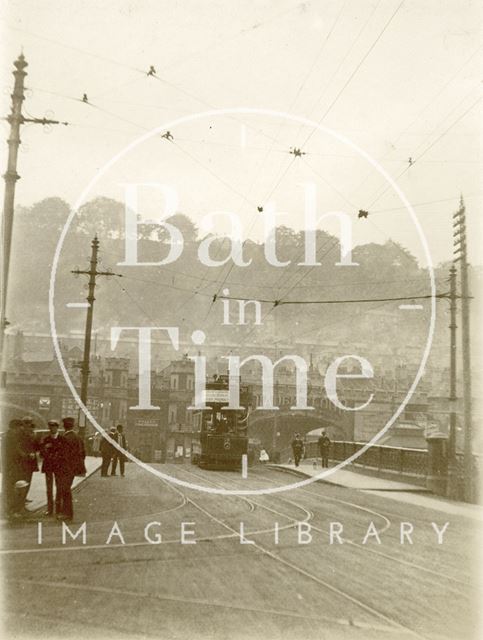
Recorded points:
(298, 448)
(62, 457)
(111, 455)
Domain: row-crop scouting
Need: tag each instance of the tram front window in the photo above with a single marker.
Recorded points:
(219, 421)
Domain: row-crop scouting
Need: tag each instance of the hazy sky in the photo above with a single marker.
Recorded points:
(399, 79)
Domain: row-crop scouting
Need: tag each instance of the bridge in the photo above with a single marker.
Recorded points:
(275, 429)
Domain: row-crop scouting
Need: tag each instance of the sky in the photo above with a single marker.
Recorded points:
(399, 80)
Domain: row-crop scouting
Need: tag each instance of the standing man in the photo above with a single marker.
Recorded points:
(114, 436)
(12, 469)
(324, 444)
(107, 452)
(119, 455)
(72, 454)
(297, 448)
(51, 451)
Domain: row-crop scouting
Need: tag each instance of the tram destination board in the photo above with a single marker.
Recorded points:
(216, 396)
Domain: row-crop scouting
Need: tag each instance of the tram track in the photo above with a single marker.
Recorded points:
(185, 500)
(309, 516)
(375, 552)
(310, 576)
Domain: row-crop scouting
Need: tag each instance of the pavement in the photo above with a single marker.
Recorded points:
(400, 491)
(37, 493)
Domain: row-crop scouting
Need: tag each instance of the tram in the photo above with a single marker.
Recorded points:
(221, 433)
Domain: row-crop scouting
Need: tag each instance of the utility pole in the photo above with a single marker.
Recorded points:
(16, 119)
(93, 273)
(460, 253)
(453, 480)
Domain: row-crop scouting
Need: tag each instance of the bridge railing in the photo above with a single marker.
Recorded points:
(377, 457)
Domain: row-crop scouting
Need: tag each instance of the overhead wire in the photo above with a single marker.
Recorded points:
(338, 321)
(143, 311)
(252, 285)
(354, 72)
(428, 148)
(406, 168)
(424, 108)
(178, 88)
(221, 41)
(281, 302)
(73, 48)
(359, 65)
(421, 204)
(213, 173)
(319, 53)
(349, 202)
(344, 58)
(294, 100)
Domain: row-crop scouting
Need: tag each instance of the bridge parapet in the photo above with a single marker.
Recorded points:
(379, 458)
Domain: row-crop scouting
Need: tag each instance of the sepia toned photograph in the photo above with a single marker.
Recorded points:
(240, 348)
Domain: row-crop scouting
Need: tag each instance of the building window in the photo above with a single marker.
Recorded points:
(172, 415)
(174, 381)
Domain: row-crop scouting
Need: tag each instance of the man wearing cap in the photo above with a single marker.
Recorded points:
(51, 451)
(119, 455)
(297, 448)
(72, 455)
(324, 445)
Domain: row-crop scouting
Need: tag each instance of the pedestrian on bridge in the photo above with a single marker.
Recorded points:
(119, 455)
(324, 445)
(297, 448)
(108, 451)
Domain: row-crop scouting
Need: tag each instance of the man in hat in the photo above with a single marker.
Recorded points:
(297, 448)
(108, 452)
(114, 436)
(72, 454)
(105, 448)
(51, 451)
(324, 445)
(119, 455)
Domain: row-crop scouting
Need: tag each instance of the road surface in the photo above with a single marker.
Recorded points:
(283, 579)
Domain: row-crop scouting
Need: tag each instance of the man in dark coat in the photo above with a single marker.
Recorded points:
(51, 451)
(72, 455)
(12, 469)
(119, 455)
(324, 445)
(297, 448)
(108, 451)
